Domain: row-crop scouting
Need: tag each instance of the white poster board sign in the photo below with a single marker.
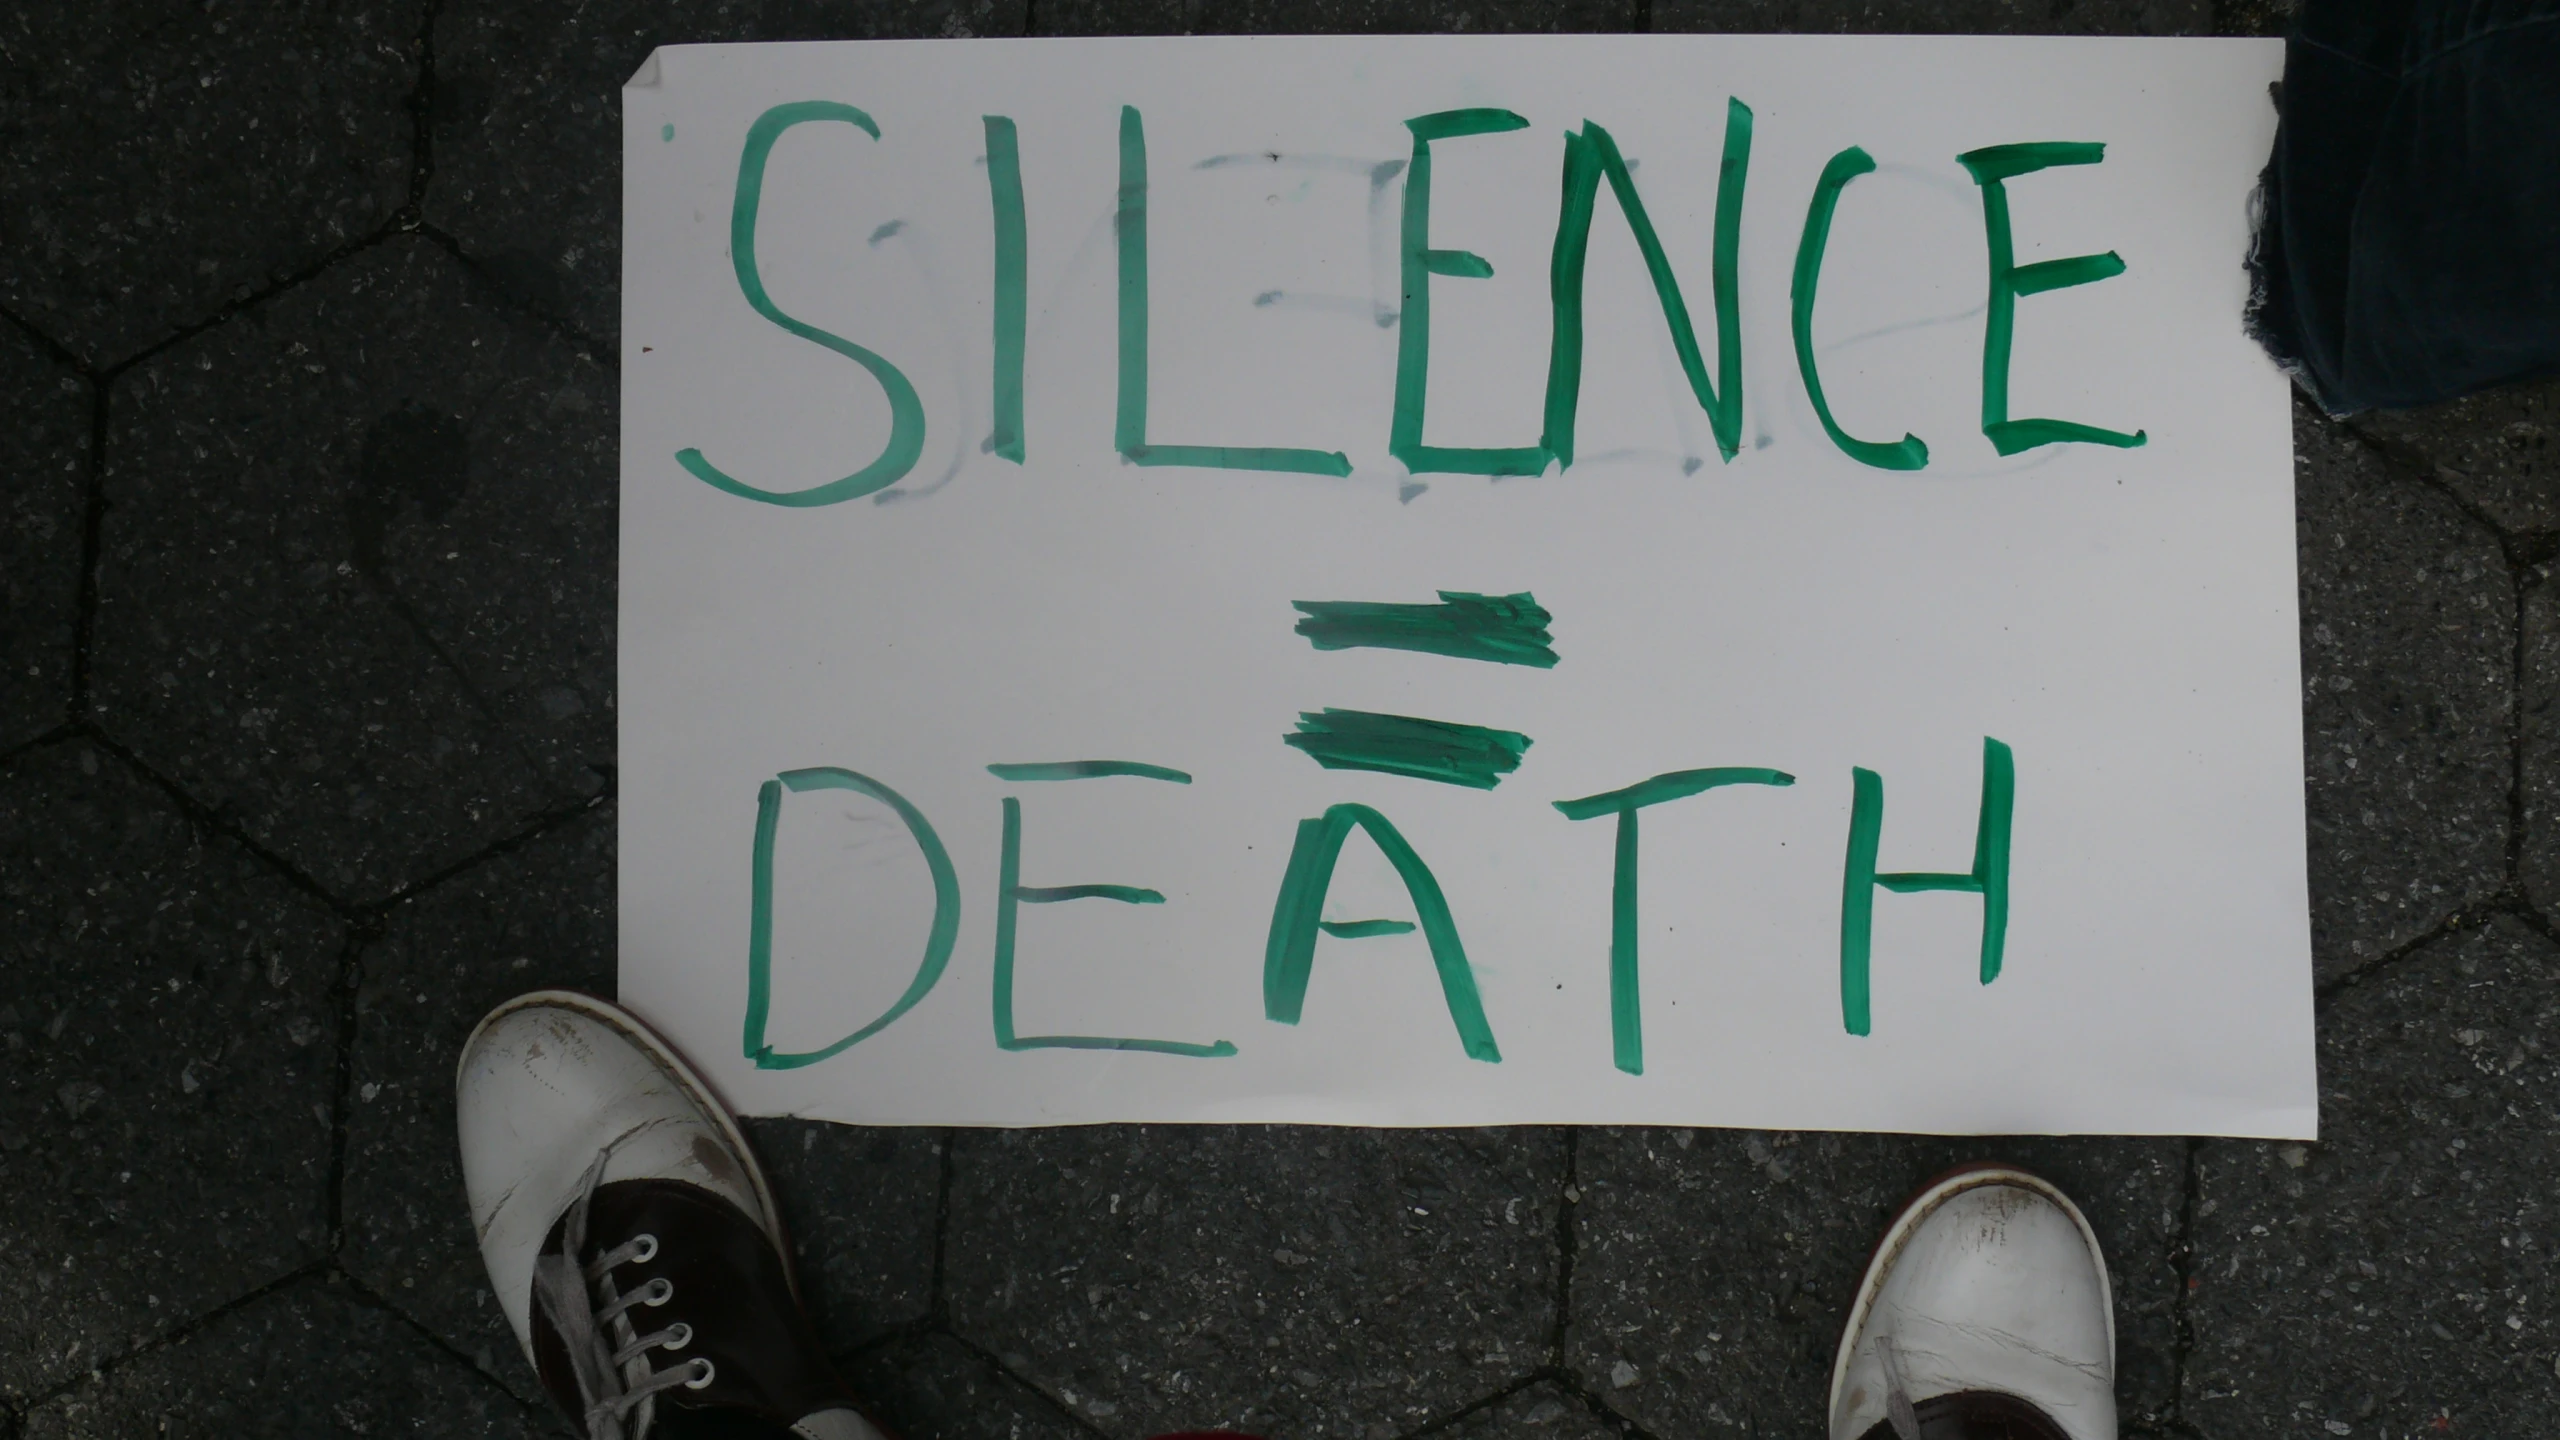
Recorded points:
(1649, 579)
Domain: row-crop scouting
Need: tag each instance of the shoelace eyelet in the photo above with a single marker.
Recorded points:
(647, 1252)
(658, 1292)
(703, 1370)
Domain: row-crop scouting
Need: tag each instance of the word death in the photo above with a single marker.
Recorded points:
(1396, 745)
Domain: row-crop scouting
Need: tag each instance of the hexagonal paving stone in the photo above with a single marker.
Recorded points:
(932, 1387)
(310, 1360)
(2402, 1277)
(171, 1065)
(1713, 1269)
(356, 579)
(1272, 1279)
(2408, 656)
(1939, 17)
(528, 121)
(2493, 449)
(44, 449)
(539, 917)
(859, 1204)
(164, 160)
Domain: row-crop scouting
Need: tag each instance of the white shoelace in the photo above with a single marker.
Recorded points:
(606, 1350)
(1897, 1390)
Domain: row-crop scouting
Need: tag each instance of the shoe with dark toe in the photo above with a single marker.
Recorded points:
(630, 1235)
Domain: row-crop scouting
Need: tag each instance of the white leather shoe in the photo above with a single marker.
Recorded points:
(1986, 1312)
(630, 1235)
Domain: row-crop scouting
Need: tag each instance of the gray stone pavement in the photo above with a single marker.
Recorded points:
(307, 403)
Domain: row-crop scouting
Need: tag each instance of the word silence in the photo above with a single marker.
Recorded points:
(1590, 156)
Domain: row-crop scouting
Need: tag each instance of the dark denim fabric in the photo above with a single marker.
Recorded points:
(2410, 247)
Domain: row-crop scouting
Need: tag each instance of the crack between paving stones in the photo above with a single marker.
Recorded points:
(209, 820)
(60, 353)
(991, 1361)
(1565, 1208)
(1600, 1408)
(541, 824)
(93, 525)
(351, 912)
(905, 1332)
(2182, 1261)
(178, 1334)
(2415, 465)
(1476, 1406)
(54, 736)
(2519, 580)
(378, 575)
(2523, 553)
(2466, 917)
(2524, 913)
(389, 229)
(342, 996)
(1549, 1374)
(937, 1301)
(404, 219)
(422, 137)
(84, 609)
(372, 1299)
(2527, 581)
(588, 348)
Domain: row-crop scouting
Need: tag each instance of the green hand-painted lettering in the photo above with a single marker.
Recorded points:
(1626, 1009)
(1012, 288)
(1587, 157)
(906, 412)
(1498, 629)
(1088, 770)
(1052, 894)
(1011, 895)
(1904, 454)
(1452, 753)
(1364, 929)
(938, 941)
(1988, 878)
(1130, 428)
(1288, 959)
(1991, 168)
(1413, 338)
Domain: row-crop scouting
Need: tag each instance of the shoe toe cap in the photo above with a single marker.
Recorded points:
(1999, 1286)
(541, 1091)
